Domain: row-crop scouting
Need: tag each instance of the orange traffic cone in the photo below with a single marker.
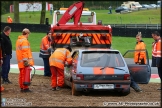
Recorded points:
(2, 88)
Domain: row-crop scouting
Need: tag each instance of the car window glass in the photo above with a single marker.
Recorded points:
(125, 7)
(102, 59)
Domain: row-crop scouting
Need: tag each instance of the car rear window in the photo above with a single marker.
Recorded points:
(101, 59)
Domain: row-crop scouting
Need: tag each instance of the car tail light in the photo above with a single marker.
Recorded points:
(80, 76)
(126, 76)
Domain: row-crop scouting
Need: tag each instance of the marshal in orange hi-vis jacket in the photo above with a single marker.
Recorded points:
(57, 61)
(9, 19)
(140, 56)
(23, 54)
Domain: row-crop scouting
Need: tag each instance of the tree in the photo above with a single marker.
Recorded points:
(16, 11)
(5, 6)
(43, 13)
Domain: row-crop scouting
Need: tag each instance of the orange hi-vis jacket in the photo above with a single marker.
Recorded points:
(23, 51)
(9, 20)
(59, 57)
(156, 48)
(45, 44)
(139, 55)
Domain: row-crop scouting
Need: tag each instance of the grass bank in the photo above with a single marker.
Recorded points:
(152, 16)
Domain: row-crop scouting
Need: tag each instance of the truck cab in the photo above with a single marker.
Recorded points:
(76, 26)
(87, 17)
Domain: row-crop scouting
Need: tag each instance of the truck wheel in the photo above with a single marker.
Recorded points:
(74, 92)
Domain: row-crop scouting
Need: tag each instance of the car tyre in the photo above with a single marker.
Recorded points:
(74, 92)
(125, 92)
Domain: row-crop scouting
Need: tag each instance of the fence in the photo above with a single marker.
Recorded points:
(125, 30)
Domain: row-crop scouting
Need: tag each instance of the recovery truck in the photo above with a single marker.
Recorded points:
(77, 27)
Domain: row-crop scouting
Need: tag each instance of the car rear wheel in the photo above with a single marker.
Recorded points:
(74, 92)
(125, 92)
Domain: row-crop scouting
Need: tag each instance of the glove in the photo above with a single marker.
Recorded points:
(26, 63)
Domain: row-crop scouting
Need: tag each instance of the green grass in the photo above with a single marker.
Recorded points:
(138, 17)
(34, 39)
(120, 43)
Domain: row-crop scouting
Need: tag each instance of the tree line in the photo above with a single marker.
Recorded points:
(92, 5)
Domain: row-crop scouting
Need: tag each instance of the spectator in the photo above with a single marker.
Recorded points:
(51, 10)
(140, 56)
(156, 53)
(24, 57)
(45, 52)
(9, 19)
(6, 53)
(58, 59)
(110, 10)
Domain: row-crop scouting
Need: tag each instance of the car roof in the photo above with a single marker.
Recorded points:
(95, 49)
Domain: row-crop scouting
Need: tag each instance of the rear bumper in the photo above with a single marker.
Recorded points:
(102, 82)
(89, 85)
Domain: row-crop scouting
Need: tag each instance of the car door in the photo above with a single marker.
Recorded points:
(141, 73)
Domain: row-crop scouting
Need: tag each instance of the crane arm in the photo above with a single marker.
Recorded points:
(74, 11)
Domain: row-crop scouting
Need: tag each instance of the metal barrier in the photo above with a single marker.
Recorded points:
(146, 26)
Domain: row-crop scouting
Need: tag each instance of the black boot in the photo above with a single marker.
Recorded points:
(4, 81)
(9, 82)
(27, 90)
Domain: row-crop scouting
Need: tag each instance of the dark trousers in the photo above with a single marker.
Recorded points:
(160, 72)
(47, 71)
(6, 67)
(110, 11)
(133, 83)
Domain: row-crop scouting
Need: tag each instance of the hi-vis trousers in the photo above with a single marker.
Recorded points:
(57, 77)
(22, 78)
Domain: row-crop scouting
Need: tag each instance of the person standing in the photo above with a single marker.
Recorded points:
(57, 60)
(156, 53)
(110, 10)
(9, 19)
(1, 61)
(24, 57)
(6, 53)
(140, 56)
(51, 10)
(45, 52)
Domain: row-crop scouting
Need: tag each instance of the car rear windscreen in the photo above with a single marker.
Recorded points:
(101, 59)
